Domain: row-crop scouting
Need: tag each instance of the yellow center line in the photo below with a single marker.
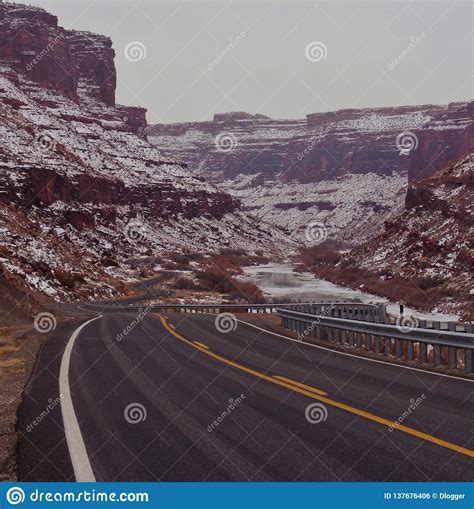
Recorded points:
(202, 345)
(324, 399)
(302, 386)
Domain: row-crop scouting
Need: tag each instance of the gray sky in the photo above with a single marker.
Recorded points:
(377, 53)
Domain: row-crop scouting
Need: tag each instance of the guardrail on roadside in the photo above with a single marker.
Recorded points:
(452, 346)
(369, 312)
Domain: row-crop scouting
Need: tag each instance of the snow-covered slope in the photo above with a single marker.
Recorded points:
(431, 242)
(80, 192)
(348, 168)
(350, 208)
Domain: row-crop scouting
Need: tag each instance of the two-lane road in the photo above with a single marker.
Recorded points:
(174, 399)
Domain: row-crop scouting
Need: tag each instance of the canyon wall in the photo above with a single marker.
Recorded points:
(79, 184)
(346, 169)
(32, 43)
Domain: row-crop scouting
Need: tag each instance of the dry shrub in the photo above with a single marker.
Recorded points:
(325, 253)
(185, 283)
(218, 276)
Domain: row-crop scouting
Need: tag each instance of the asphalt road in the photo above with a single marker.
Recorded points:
(264, 427)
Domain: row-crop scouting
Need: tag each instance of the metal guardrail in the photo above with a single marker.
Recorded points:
(369, 312)
(426, 345)
(366, 327)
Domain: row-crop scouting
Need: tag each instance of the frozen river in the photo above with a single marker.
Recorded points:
(279, 282)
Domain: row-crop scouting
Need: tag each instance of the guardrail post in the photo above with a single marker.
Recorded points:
(468, 352)
(368, 342)
(388, 346)
(468, 360)
(452, 357)
(410, 350)
(398, 348)
(351, 338)
(377, 344)
(437, 355)
(423, 353)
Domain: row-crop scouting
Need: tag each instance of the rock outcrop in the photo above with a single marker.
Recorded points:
(68, 61)
(77, 185)
(135, 117)
(32, 43)
(95, 67)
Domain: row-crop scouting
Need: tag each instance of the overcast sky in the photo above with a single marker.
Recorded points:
(282, 58)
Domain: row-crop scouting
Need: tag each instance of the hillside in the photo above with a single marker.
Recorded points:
(80, 191)
(424, 257)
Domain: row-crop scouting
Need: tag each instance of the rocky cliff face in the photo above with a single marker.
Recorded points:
(431, 242)
(345, 169)
(443, 139)
(80, 192)
(135, 117)
(94, 59)
(68, 61)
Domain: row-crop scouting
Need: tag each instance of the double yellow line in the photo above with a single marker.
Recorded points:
(319, 395)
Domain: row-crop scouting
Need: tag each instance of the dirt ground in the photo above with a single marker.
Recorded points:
(18, 352)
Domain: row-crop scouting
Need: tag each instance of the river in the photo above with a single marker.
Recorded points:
(280, 283)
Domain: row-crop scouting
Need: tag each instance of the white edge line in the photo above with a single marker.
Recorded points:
(75, 442)
(356, 356)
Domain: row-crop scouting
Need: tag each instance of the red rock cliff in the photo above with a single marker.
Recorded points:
(77, 64)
